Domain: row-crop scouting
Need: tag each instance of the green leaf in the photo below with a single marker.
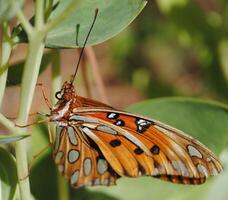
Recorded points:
(43, 186)
(8, 175)
(16, 70)
(205, 121)
(6, 139)
(9, 8)
(112, 18)
(43, 179)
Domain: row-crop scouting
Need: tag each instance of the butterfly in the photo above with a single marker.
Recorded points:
(96, 144)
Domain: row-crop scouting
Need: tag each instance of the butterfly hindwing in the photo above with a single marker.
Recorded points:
(147, 147)
(78, 161)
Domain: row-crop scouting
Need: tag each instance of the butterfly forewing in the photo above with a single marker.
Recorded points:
(173, 156)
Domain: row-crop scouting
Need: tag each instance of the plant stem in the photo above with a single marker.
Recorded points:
(90, 55)
(7, 123)
(23, 20)
(56, 77)
(30, 75)
(6, 51)
(39, 19)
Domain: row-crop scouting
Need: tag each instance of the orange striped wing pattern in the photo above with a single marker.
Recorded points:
(96, 144)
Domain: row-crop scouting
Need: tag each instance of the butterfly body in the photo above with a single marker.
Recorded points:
(96, 144)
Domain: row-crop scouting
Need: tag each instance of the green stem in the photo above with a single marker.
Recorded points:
(39, 19)
(63, 188)
(6, 51)
(23, 20)
(7, 123)
(56, 77)
(30, 75)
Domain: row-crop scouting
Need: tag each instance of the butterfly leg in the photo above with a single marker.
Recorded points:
(13, 118)
(44, 95)
(31, 124)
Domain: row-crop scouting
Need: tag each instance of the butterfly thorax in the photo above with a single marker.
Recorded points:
(67, 101)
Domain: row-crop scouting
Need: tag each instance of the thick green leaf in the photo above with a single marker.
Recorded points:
(8, 8)
(206, 121)
(8, 175)
(113, 17)
(16, 70)
(6, 139)
(43, 186)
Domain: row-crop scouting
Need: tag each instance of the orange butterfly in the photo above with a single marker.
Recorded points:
(96, 144)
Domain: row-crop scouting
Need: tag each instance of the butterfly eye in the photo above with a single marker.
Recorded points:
(58, 95)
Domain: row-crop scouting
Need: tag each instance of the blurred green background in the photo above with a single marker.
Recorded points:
(176, 47)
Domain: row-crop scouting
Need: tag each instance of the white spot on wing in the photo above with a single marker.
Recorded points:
(60, 168)
(106, 129)
(202, 170)
(87, 166)
(83, 119)
(112, 115)
(72, 137)
(102, 166)
(194, 152)
(214, 172)
(73, 156)
(58, 156)
(74, 177)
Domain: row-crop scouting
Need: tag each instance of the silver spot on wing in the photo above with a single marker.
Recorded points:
(73, 156)
(194, 152)
(87, 166)
(202, 170)
(60, 169)
(58, 156)
(106, 129)
(102, 166)
(83, 119)
(72, 136)
(74, 177)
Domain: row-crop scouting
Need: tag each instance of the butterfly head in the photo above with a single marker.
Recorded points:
(66, 93)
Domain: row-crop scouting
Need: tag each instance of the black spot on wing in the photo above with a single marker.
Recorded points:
(155, 150)
(115, 143)
(138, 151)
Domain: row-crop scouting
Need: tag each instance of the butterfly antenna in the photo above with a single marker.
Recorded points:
(82, 50)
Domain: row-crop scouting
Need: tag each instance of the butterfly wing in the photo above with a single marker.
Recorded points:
(135, 146)
(80, 160)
